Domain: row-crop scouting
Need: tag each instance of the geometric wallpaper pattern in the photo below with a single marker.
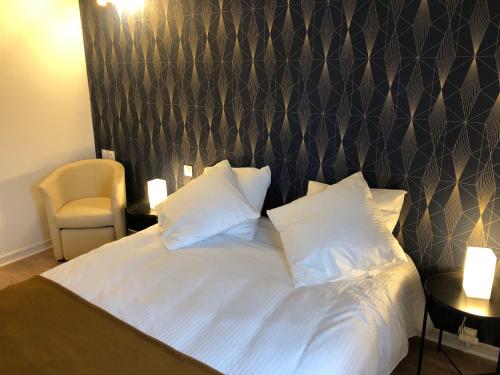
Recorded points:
(406, 91)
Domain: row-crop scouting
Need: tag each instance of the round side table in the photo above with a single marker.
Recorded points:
(140, 216)
(444, 291)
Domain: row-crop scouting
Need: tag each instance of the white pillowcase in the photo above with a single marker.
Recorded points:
(335, 234)
(208, 205)
(253, 184)
(389, 201)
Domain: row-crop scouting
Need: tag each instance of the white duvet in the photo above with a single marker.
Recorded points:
(231, 304)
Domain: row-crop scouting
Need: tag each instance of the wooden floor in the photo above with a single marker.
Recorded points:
(27, 267)
(434, 362)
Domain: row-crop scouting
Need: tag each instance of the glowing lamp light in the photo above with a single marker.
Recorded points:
(124, 6)
(479, 272)
(157, 191)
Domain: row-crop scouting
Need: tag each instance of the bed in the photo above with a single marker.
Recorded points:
(229, 304)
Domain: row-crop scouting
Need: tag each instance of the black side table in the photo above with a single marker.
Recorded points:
(140, 216)
(444, 293)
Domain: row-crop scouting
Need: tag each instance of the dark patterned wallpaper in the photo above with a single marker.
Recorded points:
(407, 91)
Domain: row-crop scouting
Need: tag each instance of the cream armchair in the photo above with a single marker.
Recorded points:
(85, 204)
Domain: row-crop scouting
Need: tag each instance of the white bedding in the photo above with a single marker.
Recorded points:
(231, 304)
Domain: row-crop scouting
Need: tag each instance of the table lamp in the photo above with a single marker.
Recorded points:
(157, 191)
(479, 272)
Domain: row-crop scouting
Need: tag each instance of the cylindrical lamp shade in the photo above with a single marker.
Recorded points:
(479, 272)
(157, 191)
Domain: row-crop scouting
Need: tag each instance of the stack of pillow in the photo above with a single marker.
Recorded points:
(336, 232)
(221, 200)
(339, 231)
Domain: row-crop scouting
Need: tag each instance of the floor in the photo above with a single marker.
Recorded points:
(27, 267)
(434, 362)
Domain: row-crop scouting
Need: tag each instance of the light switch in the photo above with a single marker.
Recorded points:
(188, 171)
(108, 154)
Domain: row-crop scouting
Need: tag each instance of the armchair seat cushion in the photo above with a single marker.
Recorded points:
(85, 213)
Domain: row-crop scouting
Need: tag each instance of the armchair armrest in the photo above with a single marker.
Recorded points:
(53, 200)
(119, 201)
(50, 188)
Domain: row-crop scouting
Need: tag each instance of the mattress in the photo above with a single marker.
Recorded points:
(231, 304)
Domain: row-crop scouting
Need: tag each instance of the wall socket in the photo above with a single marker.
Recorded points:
(188, 171)
(107, 154)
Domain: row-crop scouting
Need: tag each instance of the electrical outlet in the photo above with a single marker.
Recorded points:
(108, 154)
(188, 171)
(467, 335)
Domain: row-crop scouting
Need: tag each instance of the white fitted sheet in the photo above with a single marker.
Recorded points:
(231, 304)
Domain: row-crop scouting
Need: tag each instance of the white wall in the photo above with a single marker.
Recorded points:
(45, 118)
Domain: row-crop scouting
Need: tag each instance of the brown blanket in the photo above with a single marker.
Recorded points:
(46, 329)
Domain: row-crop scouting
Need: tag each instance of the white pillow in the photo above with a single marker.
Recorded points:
(253, 184)
(389, 201)
(208, 205)
(335, 234)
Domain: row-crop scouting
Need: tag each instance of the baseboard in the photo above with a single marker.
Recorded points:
(452, 341)
(24, 252)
